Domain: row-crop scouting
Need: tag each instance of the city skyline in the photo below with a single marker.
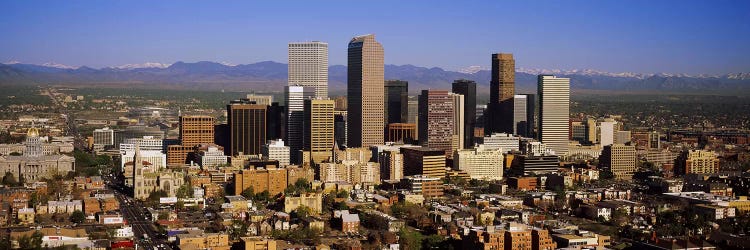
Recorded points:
(641, 37)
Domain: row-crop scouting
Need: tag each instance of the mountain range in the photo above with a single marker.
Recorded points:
(272, 76)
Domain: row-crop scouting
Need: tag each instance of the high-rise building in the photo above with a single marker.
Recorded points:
(619, 159)
(480, 162)
(436, 120)
(607, 133)
(247, 127)
(396, 101)
(196, 129)
(506, 142)
(308, 66)
(424, 161)
(365, 90)
(531, 117)
(653, 140)
(468, 89)
(276, 122)
(502, 89)
(339, 125)
(391, 165)
(319, 128)
(458, 122)
(697, 162)
(521, 115)
(295, 115)
(554, 112)
(275, 150)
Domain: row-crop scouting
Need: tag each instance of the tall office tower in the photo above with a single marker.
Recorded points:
(554, 112)
(247, 127)
(436, 120)
(276, 122)
(308, 66)
(520, 117)
(502, 90)
(339, 124)
(530, 116)
(295, 115)
(618, 159)
(365, 89)
(396, 101)
(260, 99)
(468, 89)
(590, 123)
(319, 129)
(458, 121)
(607, 133)
(391, 165)
(196, 129)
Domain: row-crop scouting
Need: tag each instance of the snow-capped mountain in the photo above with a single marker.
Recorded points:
(143, 65)
(57, 65)
(472, 69)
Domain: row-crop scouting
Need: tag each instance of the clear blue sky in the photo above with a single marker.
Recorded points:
(617, 36)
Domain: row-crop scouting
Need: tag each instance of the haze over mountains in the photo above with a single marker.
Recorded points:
(272, 76)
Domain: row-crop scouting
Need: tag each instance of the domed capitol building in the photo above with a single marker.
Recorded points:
(35, 163)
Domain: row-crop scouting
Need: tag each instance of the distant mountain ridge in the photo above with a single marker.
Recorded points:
(272, 76)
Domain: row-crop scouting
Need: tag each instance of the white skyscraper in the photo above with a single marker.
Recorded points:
(554, 112)
(308, 66)
(295, 110)
(458, 121)
(275, 150)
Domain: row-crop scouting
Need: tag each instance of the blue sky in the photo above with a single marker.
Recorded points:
(692, 37)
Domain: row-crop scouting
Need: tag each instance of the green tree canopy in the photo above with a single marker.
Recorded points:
(77, 217)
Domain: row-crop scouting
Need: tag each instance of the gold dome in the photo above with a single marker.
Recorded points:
(33, 132)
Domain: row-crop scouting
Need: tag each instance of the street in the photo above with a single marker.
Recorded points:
(134, 214)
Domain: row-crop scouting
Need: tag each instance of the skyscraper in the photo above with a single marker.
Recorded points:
(436, 118)
(554, 112)
(458, 121)
(365, 90)
(396, 101)
(308, 66)
(619, 159)
(247, 127)
(468, 89)
(520, 122)
(502, 90)
(319, 128)
(276, 122)
(295, 112)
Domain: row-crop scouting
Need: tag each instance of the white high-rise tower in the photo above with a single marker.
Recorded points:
(554, 112)
(308, 66)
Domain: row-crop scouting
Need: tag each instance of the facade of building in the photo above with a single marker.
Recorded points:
(468, 89)
(104, 136)
(314, 201)
(554, 112)
(34, 163)
(196, 129)
(260, 99)
(424, 161)
(308, 66)
(274, 180)
(697, 162)
(396, 101)
(499, 116)
(247, 127)
(319, 129)
(619, 159)
(365, 90)
(402, 132)
(275, 150)
(391, 165)
(295, 118)
(212, 157)
(480, 162)
(504, 141)
(458, 122)
(436, 120)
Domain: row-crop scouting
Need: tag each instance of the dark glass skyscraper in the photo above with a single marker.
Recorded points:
(247, 127)
(396, 101)
(468, 89)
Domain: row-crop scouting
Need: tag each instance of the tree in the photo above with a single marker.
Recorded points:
(248, 193)
(237, 229)
(433, 241)
(263, 196)
(302, 212)
(299, 186)
(185, 191)
(342, 194)
(30, 242)
(410, 239)
(77, 217)
(10, 180)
